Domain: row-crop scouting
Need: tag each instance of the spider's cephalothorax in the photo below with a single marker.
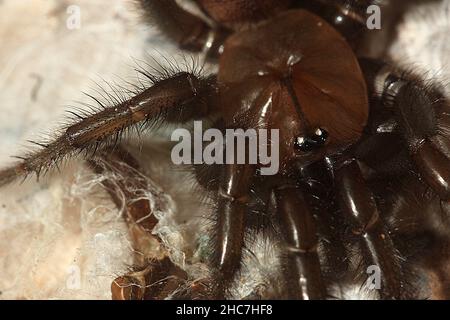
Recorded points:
(287, 80)
(361, 144)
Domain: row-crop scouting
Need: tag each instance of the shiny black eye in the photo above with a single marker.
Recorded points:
(311, 142)
(321, 136)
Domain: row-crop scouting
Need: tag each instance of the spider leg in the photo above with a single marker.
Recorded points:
(303, 275)
(187, 30)
(420, 232)
(233, 196)
(422, 113)
(317, 185)
(417, 218)
(178, 98)
(358, 205)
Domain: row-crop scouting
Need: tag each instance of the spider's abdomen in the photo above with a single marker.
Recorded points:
(300, 74)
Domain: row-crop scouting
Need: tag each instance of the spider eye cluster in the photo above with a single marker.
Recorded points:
(311, 142)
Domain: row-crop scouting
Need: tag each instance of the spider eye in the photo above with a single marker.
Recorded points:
(312, 142)
(321, 136)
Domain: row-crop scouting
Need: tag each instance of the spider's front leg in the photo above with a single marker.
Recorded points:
(422, 115)
(178, 98)
(233, 196)
(302, 272)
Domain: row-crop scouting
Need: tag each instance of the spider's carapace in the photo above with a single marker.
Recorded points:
(300, 81)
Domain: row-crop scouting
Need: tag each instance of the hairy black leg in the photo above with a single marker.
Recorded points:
(422, 113)
(358, 204)
(301, 265)
(228, 238)
(187, 30)
(177, 98)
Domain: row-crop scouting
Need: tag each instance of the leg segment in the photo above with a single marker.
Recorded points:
(230, 228)
(361, 210)
(178, 98)
(317, 186)
(303, 272)
(187, 30)
(422, 114)
(419, 222)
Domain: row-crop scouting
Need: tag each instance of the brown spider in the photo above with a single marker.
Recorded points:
(364, 148)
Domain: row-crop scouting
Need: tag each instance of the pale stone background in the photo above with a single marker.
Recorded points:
(62, 238)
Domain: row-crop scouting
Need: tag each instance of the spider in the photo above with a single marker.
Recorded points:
(364, 146)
